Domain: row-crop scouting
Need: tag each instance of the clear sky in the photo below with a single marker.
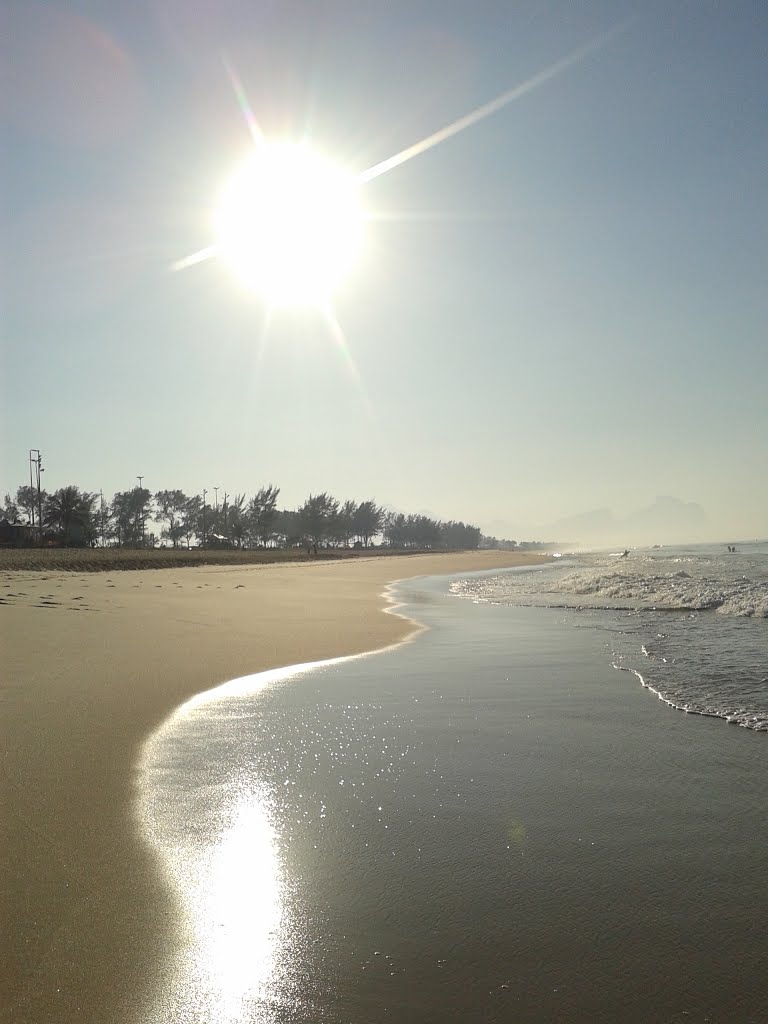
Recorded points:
(559, 309)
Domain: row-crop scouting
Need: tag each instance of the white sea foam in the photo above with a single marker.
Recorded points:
(689, 624)
(672, 590)
(736, 587)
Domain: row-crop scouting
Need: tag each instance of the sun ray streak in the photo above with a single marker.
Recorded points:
(480, 113)
(435, 216)
(337, 333)
(200, 256)
(242, 101)
(266, 323)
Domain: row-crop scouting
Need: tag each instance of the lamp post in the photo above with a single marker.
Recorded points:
(140, 479)
(31, 488)
(35, 469)
(203, 537)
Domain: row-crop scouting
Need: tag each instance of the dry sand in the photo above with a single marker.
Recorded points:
(92, 663)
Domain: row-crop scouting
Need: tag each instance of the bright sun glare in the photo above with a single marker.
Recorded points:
(290, 224)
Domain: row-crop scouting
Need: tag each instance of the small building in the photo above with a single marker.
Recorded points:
(16, 535)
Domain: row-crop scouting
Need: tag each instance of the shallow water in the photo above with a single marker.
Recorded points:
(487, 824)
(691, 623)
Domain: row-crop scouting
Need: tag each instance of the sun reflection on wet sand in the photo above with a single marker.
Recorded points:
(206, 815)
(239, 914)
(230, 891)
(216, 845)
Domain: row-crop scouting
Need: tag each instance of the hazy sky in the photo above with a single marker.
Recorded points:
(565, 307)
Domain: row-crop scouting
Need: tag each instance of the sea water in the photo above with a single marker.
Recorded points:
(691, 623)
(489, 823)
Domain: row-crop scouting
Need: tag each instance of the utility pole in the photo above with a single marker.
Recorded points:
(140, 478)
(101, 510)
(31, 488)
(35, 469)
(204, 494)
(226, 510)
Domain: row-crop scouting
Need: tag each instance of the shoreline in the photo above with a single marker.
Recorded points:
(98, 560)
(89, 918)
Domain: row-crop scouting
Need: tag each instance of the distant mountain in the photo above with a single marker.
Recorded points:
(665, 521)
(669, 519)
(600, 521)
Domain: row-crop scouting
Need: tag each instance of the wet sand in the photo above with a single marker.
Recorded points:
(92, 664)
(488, 825)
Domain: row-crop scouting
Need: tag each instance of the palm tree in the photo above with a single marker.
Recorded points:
(69, 513)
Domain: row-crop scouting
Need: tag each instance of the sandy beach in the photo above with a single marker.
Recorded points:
(87, 919)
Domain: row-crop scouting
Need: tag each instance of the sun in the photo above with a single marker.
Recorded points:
(290, 224)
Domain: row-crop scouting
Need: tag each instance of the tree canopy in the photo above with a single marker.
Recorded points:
(138, 518)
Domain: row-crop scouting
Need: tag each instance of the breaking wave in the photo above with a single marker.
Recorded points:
(673, 591)
(691, 625)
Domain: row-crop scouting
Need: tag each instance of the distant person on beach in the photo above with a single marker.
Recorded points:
(625, 553)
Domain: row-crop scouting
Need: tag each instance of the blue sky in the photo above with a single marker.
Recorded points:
(565, 308)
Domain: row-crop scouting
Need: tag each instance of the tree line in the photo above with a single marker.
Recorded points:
(74, 517)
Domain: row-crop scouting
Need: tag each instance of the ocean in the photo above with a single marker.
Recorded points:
(493, 822)
(691, 623)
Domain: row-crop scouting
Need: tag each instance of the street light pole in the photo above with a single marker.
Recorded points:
(204, 494)
(35, 469)
(31, 489)
(140, 479)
